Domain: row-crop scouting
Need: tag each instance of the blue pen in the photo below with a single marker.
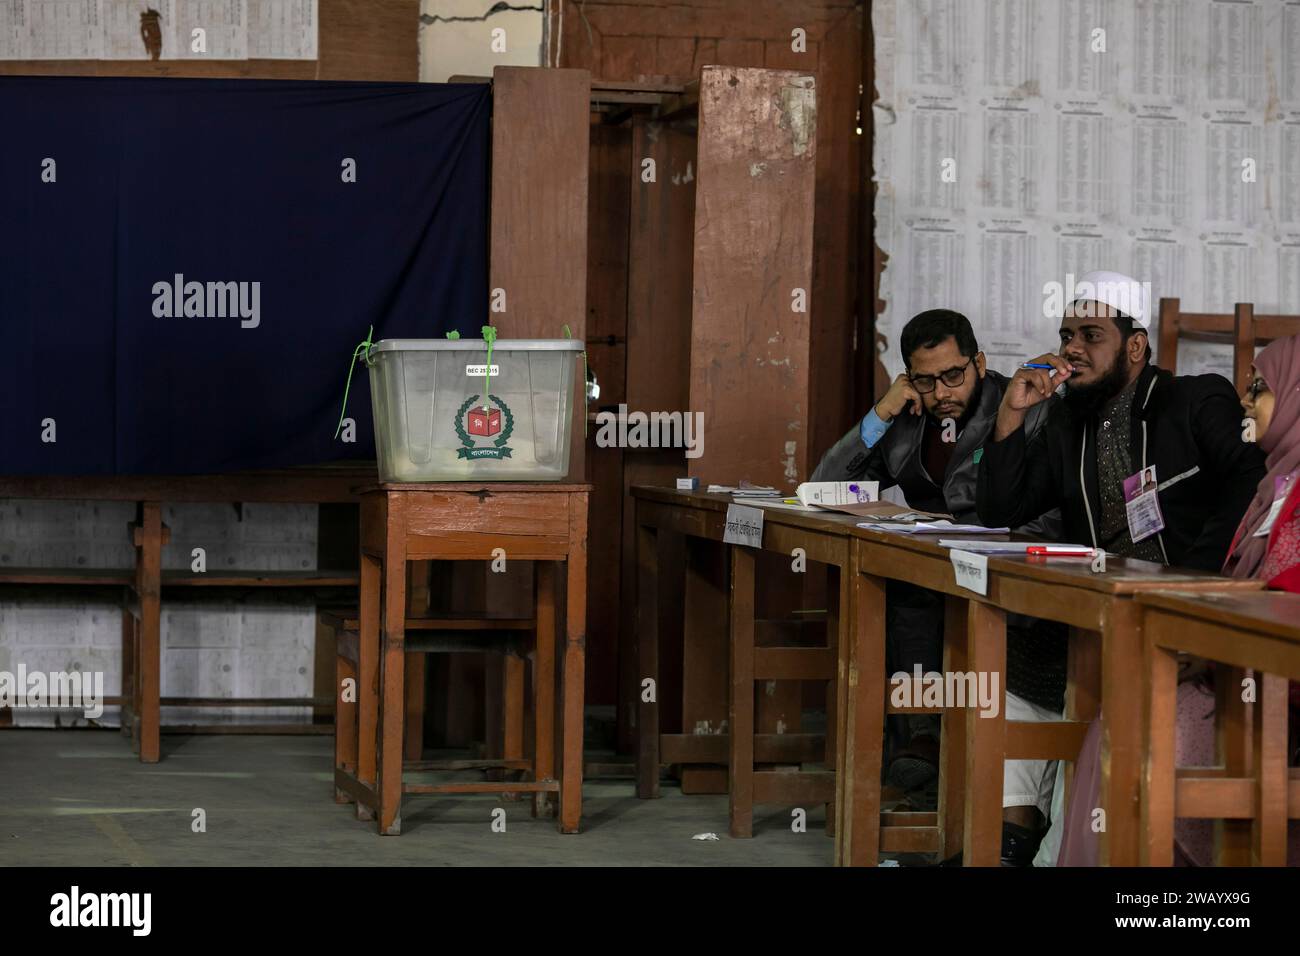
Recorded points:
(1035, 365)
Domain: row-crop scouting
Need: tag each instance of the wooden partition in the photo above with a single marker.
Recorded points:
(750, 331)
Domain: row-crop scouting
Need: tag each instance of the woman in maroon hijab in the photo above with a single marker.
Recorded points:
(1267, 544)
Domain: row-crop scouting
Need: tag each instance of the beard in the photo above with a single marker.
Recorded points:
(1086, 399)
(962, 410)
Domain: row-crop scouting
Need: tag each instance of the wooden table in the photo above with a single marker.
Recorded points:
(702, 517)
(457, 521)
(1256, 792)
(1105, 675)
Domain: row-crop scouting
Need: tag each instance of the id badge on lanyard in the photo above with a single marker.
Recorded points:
(1142, 506)
(1281, 488)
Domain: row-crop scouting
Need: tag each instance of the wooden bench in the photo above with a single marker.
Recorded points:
(140, 589)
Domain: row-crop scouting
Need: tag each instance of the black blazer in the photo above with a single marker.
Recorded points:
(896, 458)
(1188, 426)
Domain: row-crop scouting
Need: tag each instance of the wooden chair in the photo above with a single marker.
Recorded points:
(1243, 330)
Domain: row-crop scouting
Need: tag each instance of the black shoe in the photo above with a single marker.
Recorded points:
(1019, 844)
(916, 766)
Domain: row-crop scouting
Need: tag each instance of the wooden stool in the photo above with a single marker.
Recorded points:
(1253, 792)
(546, 523)
(511, 639)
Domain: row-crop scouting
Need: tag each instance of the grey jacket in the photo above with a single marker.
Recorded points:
(896, 459)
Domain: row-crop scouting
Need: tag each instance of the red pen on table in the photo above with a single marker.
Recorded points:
(1054, 551)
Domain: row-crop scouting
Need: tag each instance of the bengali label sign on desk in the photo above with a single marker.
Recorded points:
(971, 569)
(744, 526)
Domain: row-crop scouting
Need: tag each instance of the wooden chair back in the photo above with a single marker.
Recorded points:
(1243, 330)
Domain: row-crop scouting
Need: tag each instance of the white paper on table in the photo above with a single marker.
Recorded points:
(784, 504)
(831, 493)
(930, 527)
(1006, 547)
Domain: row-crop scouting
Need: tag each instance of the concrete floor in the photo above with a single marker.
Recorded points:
(81, 798)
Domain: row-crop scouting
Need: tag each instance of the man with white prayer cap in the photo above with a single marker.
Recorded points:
(1120, 416)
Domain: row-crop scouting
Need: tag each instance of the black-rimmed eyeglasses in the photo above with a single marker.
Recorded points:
(951, 377)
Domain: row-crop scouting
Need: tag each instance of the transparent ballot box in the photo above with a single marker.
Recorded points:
(436, 421)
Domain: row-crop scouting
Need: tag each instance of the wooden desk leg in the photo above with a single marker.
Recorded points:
(647, 650)
(149, 591)
(1159, 772)
(127, 711)
(544, 685)
(391, 672)
(1233, 724)
(345, 723)
(1123, 701)
(573, 689)
(1269, 829)
(838, 633)
(986, 636)
(952, 733)
(740, 770)
(512, 693)
(414, 693)
(843, 636)
(135, 687)
(368, 679)
(693, 626)
(862, 733)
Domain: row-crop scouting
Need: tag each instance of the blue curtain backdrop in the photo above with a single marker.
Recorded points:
(224, 181)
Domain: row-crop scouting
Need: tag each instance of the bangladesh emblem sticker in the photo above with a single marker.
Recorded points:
(474, 421)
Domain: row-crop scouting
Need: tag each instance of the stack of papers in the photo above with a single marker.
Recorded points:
(744, 491)
(1006, 547)
(885, 511)
(930, 527)
(789, 504)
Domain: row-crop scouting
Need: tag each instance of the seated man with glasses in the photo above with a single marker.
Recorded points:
(925, 436)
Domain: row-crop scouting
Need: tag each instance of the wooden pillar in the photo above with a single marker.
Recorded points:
(538, 253)
(750, 353)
